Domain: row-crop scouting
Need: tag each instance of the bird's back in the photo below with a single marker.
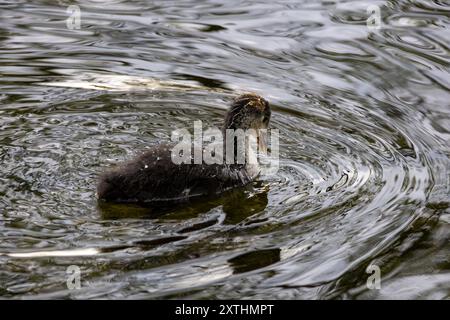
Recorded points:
(154, 178)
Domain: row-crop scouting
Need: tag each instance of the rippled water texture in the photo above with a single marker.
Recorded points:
(364, 120)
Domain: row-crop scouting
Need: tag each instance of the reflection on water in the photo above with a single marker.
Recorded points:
(364, 124)
(236, 204)
(55, 253)
(254, 260)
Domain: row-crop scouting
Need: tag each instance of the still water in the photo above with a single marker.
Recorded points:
(364, 121)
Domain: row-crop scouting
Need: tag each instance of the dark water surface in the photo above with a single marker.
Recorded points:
(364, 120)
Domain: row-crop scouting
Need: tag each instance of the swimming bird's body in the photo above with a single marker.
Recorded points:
(154, 178)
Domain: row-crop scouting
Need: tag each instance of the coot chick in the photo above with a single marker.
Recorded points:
(153, 178)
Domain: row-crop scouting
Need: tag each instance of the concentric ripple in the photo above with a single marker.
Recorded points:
(364, 163)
